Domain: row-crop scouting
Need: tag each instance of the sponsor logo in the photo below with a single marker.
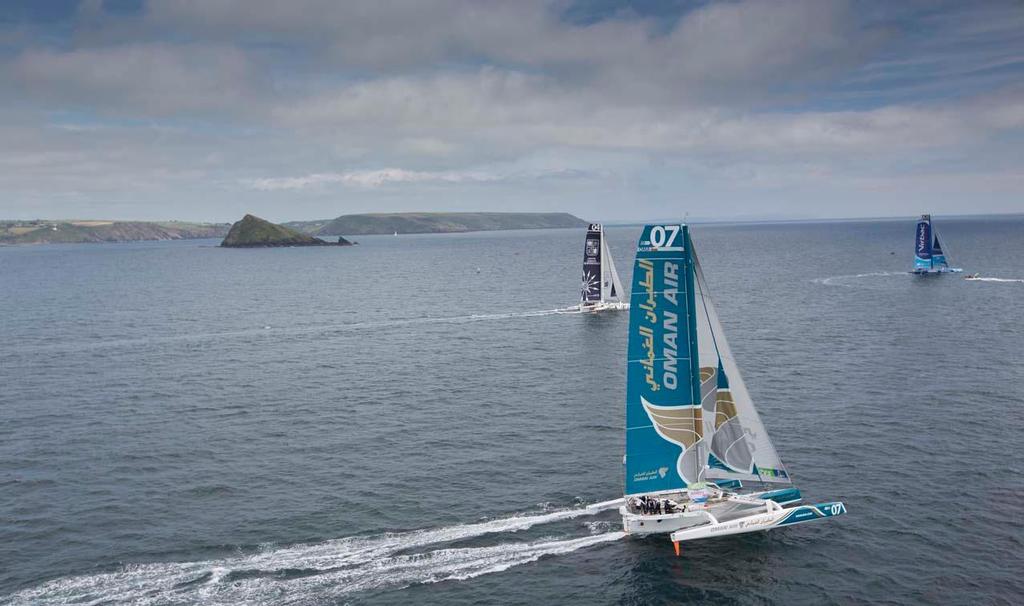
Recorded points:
(650, 474)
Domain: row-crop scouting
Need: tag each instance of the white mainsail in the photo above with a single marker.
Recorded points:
(740, 448)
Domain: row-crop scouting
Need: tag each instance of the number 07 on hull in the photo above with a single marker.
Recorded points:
(693, 436)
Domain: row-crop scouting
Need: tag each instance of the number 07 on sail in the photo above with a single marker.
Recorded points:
(693, 436)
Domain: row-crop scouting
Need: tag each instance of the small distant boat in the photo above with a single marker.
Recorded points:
(693, 436)
(972, 277)
(601, 288)
(396, 233)
(928, 255)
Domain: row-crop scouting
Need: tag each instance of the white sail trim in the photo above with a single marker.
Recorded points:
(756, 457)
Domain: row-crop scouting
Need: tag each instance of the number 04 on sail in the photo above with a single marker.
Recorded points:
(693, 437)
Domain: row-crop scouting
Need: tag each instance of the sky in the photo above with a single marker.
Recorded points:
(615, 111)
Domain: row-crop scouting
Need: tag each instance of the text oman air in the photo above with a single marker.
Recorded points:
(671, 326)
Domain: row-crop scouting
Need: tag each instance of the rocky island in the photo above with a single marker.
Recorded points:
(254, 232)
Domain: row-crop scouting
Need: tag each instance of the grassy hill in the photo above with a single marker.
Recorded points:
(430, 223)
(51, 232)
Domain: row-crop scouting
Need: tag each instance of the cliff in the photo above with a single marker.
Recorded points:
(52, 232)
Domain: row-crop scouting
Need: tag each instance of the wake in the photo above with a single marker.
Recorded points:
(840, 280)
(311, 572)
(1010, 280)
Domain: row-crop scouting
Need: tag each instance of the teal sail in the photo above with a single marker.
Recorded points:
(665, 446)
(689, 416)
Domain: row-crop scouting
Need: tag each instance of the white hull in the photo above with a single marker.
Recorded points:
(771, 516)
(604, 306)
(727, 506)
(594, 308)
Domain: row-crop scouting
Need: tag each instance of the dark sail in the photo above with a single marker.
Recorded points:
(590, 291)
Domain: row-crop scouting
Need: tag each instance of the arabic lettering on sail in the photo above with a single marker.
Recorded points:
(650, 307)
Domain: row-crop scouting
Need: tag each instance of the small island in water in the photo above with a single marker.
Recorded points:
(254, 232)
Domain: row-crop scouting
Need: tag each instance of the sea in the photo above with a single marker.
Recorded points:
(408, 421)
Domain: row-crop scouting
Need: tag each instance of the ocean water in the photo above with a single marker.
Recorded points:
(407, 422)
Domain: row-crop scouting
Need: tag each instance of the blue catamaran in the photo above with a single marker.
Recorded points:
(928, 255)
(693, 438)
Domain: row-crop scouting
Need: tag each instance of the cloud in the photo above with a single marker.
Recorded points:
(387, 176)
(532, 100)
(140, 79)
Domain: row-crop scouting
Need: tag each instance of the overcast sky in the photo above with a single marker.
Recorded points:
(207, 109)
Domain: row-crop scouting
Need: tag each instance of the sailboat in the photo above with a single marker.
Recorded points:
(928, 255)
(601, 288)
(694, 440)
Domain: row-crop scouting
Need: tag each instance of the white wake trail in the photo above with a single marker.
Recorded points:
(1005, 280)
(330, 568)
(838, 280)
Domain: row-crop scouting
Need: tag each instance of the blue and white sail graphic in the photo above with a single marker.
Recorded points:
(923, 244)
(665, 446)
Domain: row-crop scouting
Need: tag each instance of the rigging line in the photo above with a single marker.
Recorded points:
(703, 301)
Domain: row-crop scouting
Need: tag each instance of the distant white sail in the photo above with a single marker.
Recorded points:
(611, 287)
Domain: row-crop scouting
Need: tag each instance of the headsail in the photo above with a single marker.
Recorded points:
(923, 244)
(688, 413)
(665, 446)
(740, 446)
(611, 286)
(590, 291)
(938, 257)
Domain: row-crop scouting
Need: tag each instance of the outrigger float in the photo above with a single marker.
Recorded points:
(693, 436)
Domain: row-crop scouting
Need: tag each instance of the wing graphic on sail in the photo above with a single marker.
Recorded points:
(665, 444)
(740, 448)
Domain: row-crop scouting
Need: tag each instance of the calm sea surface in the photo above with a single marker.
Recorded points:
(401, 422)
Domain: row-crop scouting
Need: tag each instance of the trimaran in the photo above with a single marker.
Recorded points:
(693, 437)
(928, 256)
(601, 288)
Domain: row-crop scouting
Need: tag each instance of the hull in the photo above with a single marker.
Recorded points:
(588, 308)
(931, 272)
(773, 517)
(604, 306)
(733, 507)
